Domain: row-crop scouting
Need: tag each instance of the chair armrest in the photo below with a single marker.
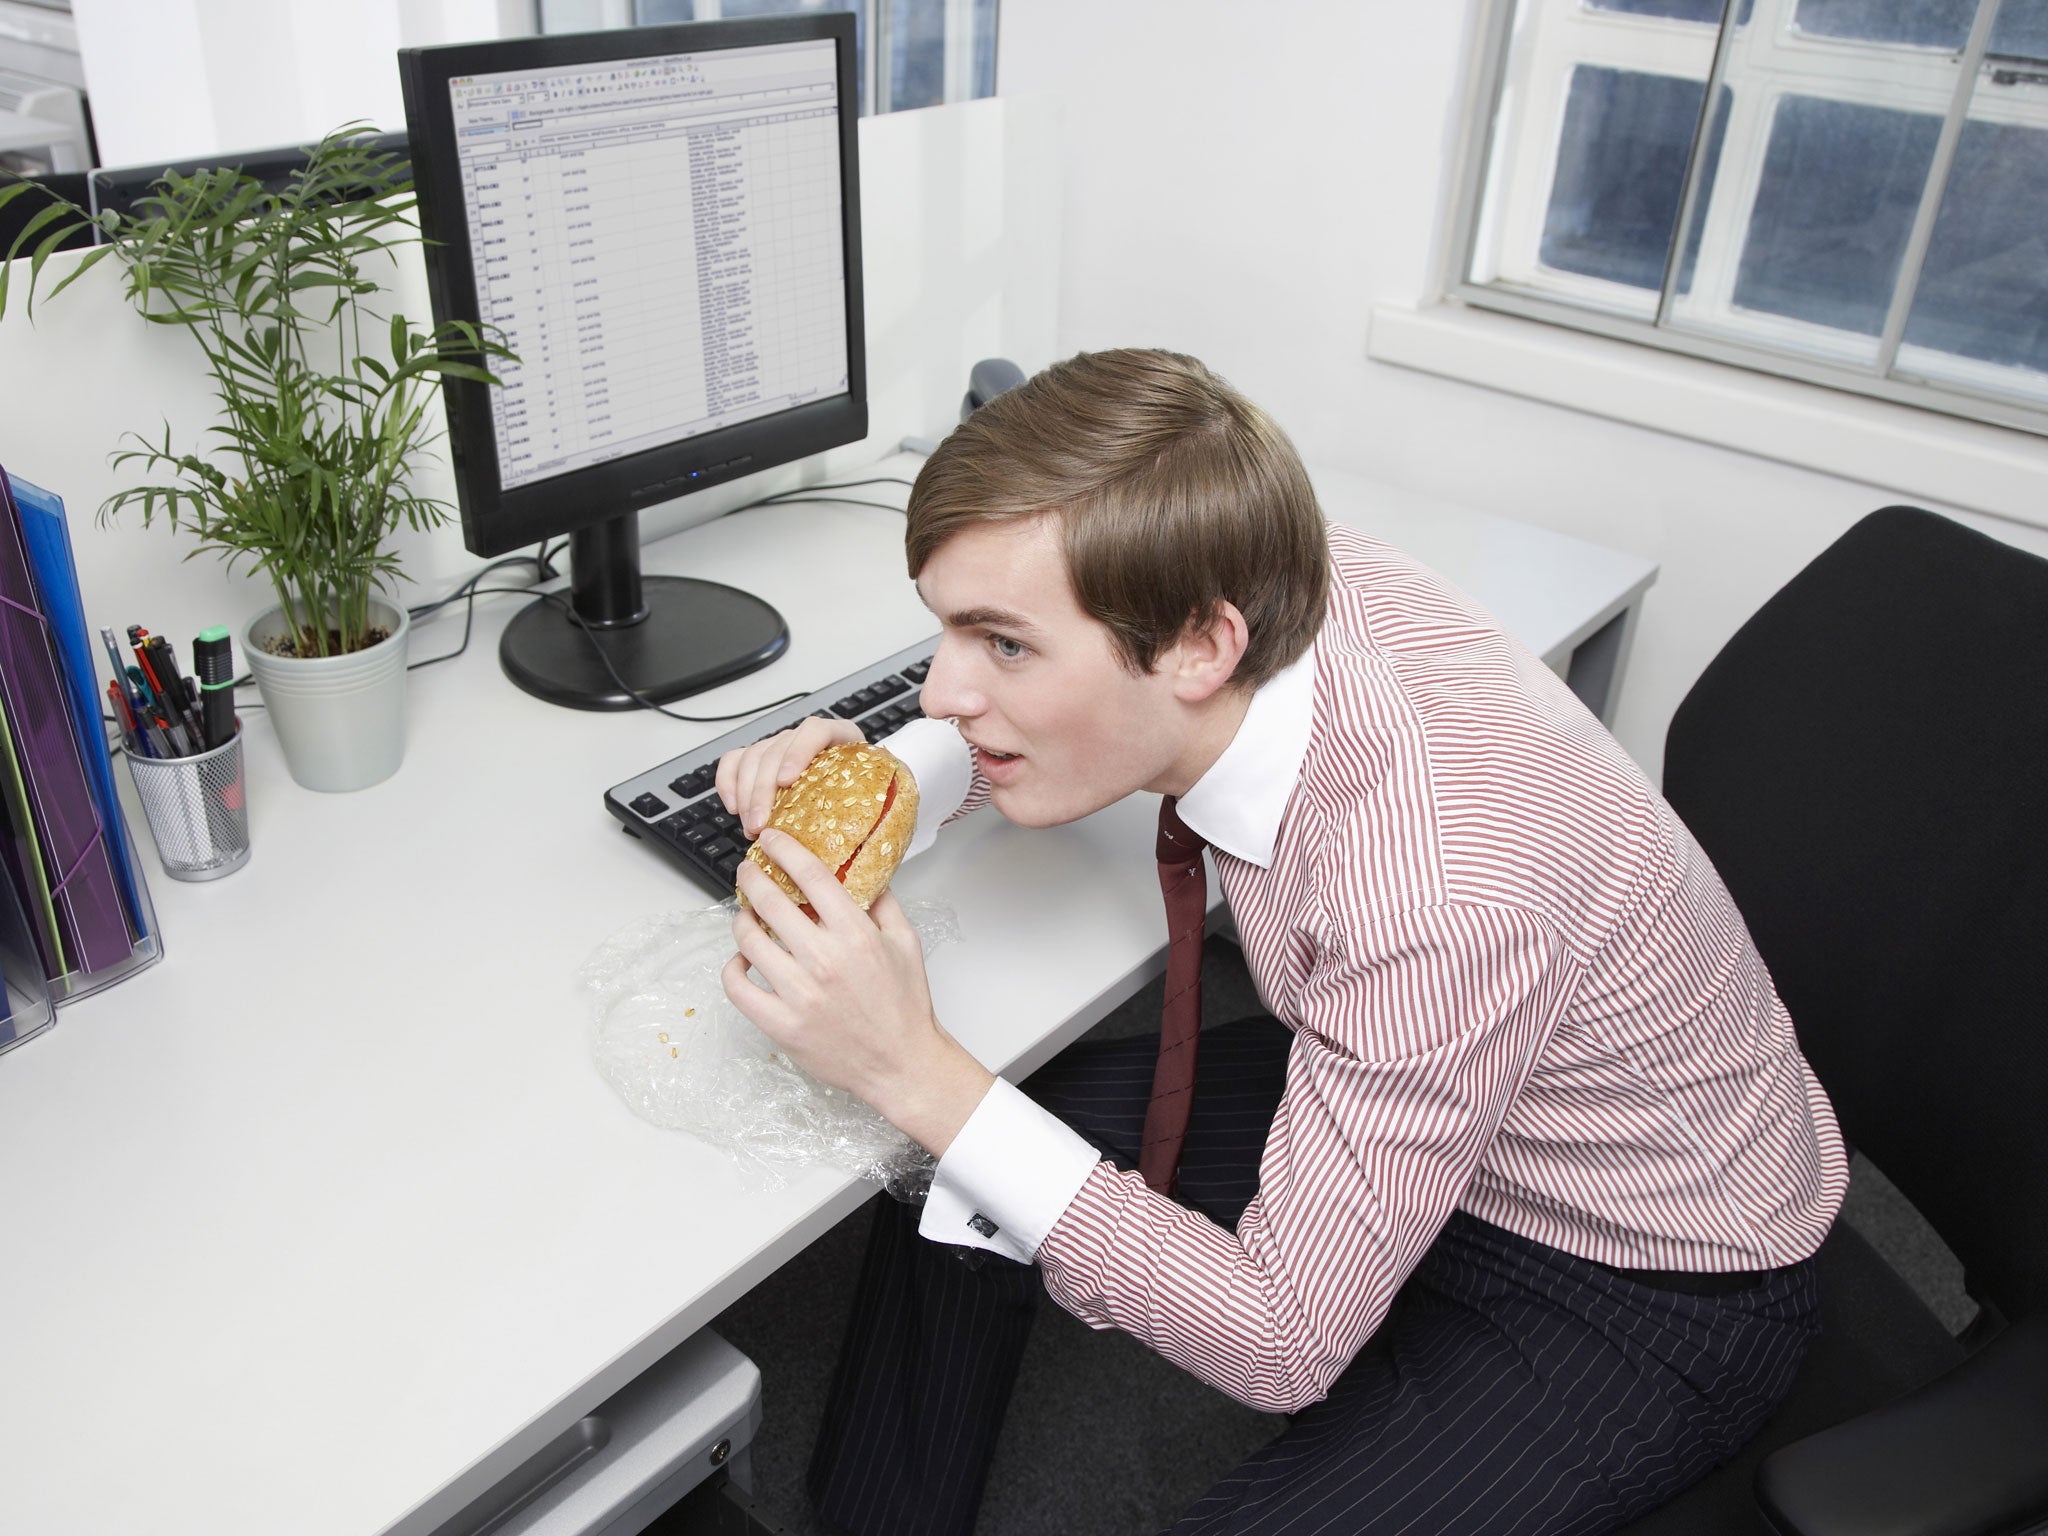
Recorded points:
(1965, 1455)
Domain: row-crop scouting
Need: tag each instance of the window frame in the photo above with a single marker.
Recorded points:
(1634, 42)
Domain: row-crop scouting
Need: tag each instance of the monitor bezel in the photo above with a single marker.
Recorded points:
(496, 520)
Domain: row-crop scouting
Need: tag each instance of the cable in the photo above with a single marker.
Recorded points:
(542, 560)
(640, 698)
(843, 501)
(832, 485)
(471, 590)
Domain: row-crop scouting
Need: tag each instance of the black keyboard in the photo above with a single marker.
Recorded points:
(675, 807)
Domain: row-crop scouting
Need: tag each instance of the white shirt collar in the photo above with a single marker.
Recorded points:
(1238, 803)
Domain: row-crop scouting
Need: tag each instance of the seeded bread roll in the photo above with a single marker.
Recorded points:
(855, 807)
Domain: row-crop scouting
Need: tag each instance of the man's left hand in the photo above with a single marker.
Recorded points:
(851, 1003)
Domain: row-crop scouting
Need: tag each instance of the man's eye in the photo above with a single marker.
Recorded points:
(1006, 648)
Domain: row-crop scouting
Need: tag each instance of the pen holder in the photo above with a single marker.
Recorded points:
(198, 810)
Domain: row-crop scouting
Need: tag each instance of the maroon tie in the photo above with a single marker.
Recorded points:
(1186, 888)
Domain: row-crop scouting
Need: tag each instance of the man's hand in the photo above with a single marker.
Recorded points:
(851, 1004)
(749, 776)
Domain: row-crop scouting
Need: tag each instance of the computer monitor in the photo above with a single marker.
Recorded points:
(664, 224)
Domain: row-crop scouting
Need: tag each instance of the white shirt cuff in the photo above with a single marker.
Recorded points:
(937, 757)
(1010, 1173)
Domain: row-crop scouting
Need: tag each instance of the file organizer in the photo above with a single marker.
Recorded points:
(69, 850)
(27, 1002)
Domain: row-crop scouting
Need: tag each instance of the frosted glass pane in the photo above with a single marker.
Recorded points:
(917, 53)
(1984, 289)
(1620, 174)
(2021, 29)
(1841, 183)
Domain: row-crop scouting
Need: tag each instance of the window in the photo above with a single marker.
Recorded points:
(931, 51)
(1845, 191)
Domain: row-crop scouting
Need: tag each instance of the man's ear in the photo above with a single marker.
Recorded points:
(1206, 656)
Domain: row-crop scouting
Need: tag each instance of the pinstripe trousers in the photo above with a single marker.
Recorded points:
(1513, 1390)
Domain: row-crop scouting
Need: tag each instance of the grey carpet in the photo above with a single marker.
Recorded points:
(1074, 1461)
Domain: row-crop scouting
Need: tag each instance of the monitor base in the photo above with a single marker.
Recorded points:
(695, 635)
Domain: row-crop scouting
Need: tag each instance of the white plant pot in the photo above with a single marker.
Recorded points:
(340, 719)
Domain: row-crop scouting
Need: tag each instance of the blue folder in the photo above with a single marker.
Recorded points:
(56, 576)
(87, 893)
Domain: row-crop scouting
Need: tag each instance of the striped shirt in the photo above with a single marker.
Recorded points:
(1517, 988)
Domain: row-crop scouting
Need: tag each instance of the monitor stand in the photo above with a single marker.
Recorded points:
(666, 636)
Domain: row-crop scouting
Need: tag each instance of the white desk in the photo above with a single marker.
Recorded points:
(325, 1223)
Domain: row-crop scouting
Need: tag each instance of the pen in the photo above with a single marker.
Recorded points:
(157, 711)
(176, 694)
(123, 717)
(164, 708)
(134, 700)
(213, 662)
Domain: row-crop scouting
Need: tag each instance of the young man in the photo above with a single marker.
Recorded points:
(1510, 1204)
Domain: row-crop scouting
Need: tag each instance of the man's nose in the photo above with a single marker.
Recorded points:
(947, 692)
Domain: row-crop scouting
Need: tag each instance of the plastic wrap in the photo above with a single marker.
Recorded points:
(680, 1055)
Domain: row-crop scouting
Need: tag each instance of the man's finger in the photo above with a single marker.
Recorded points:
(727, 779)
(758, 779)
(789, 923)
(821, 887)
(809, 740)
(761, 1009)
(895, 924)
(758, 947)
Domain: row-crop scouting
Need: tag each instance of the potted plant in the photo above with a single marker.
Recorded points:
(323, 415)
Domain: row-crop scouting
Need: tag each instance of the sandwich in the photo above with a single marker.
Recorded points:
(855, 807)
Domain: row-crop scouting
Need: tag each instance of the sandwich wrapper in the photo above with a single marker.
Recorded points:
(677, 1051)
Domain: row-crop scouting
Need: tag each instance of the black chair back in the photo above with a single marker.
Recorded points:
(1866, 762)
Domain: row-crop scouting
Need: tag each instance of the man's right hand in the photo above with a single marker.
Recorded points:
(749, 776)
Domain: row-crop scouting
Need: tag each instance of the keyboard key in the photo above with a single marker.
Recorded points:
(888, 688)
(691, 785)
(717, 848)
(705, 809)
(917, 671)
(650, 804)
(849, 706)
(723, 821)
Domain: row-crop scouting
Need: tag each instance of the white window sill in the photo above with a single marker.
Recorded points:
(1904, 453)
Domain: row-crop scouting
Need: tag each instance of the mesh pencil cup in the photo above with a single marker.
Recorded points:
(198, 810)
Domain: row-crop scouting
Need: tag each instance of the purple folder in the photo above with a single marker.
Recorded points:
(75, 852)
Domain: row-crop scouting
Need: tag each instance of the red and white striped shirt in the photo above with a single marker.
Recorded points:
(1517, 988)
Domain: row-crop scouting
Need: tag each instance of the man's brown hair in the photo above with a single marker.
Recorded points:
(1174, 494)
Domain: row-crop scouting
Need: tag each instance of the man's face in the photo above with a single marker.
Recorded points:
(1060, 726)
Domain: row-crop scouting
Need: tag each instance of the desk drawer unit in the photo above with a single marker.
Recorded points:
(624, 1465)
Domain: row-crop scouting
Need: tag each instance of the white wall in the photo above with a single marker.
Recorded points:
(1246, 182)
(175, 79)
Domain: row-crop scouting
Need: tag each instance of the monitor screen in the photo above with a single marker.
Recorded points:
(658, 238)
(663, 224)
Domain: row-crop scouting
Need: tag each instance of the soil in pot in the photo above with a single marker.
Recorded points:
(286, 645)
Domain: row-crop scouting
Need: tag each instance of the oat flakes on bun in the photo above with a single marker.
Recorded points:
(855, 807)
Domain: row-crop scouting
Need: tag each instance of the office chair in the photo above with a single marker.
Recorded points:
(1866, 762)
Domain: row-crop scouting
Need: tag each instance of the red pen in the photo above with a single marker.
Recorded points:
(123, 717)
